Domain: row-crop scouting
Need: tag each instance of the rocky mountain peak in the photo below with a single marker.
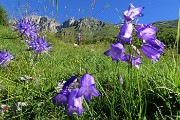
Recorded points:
(85, 23)
(45, 23)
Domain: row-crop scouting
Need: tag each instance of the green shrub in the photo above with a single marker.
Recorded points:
(3, 16)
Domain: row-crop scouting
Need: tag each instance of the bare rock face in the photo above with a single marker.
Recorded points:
(87, 23)
(45, 24)
(68, 23)
(82, 25)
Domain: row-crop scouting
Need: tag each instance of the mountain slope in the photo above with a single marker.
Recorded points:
(167, 31)
(169, 23)
(94, 31)
(91, 29)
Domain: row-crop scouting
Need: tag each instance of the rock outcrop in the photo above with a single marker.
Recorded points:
(85, 23)
(45, 24)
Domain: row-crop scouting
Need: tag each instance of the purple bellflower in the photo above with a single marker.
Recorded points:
(116, 51)
(135, 61)
(72, 98)
(146, 31)
(87, 87)
(132, 13)
(152, 47)
(5, 57)
(151, 52)
(156, 44)
(125, 34)
(39, 45)
(74, 103)
(62, 96)
(25, 27)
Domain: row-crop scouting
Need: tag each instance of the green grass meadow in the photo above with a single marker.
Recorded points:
(151, 92)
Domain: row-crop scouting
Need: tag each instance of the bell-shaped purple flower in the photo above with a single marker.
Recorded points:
(62, 96)
(5, 57)
(151, 52)
(87, 87)
(156, 44)
(71, 81)
(132, 13)
(74, 103)
(39, 45)
(146, 31)
(116, 51)
(125, 34)
(134, 60)
(25, 27)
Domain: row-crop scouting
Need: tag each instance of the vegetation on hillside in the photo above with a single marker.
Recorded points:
(149, 93)
(3, 16)
(37, 73)
(166, 33)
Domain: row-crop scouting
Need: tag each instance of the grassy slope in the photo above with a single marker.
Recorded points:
(150, 93)
(166, 33)
(105, 34)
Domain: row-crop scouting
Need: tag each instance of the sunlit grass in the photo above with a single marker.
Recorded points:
(149, 93)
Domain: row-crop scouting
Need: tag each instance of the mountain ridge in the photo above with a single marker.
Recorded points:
(168, 23)
(46, 24)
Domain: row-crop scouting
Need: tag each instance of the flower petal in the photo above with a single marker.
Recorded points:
(116, 51)
(69, 82)
(151, 52)
(125, 34)
(74, 103)
(86, 80)
(132, 13)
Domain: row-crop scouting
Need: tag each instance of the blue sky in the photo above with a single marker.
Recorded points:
(105, 10)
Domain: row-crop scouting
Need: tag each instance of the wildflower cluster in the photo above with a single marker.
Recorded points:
(5, 57)
(26, 28)
(32, 39)
(72, 98)
(151, 47)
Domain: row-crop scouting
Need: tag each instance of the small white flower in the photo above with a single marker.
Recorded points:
(25, 77)
(18, 106)
(60, 85)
